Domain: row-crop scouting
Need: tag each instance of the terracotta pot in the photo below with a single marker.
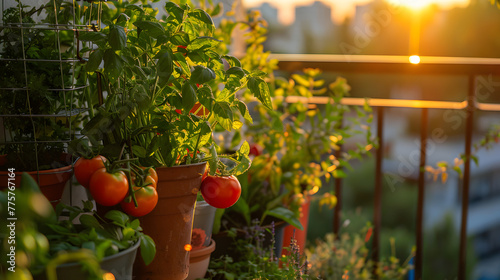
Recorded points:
(51, 182)
(300, 235)
(170, 223)
(199, 260)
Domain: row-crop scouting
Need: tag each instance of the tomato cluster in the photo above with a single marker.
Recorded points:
(109, 188)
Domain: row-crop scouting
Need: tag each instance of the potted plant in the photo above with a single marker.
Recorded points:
(166, 86)
(38, 91)
(72, 243)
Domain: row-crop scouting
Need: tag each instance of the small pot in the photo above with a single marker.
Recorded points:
(199, 260)
(203, 222)
(119, 264)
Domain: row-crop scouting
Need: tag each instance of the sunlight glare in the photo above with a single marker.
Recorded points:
(415, 59)
(413, 4)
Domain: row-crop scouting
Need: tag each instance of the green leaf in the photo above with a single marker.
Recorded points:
(244, 149)
(94, 37)
(117, 37)
(89, 245)
(260, 90)
(151, 28)
(89, 221)
(233, 61)
(202, 16)
(243, 164)
(135, 224)
(224, 115)
(139, 151)
(201, 43)
(205, 97)
(285, 215)
(236, 71)
(164, 68)
(242, 107)
(113, 64)
(188, 96)
(174, 11)
(119, 218)
(128, 233)
(139, 72)
(94, 61)
(202, 74)
(180, 39)
(148, 249)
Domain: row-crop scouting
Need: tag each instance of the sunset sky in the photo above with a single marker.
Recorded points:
(343, 8)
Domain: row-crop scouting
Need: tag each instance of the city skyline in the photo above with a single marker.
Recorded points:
(341, 9)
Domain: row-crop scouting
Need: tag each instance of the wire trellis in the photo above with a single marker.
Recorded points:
(44, 89)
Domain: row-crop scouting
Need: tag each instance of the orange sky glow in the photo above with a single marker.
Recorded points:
(344, 8)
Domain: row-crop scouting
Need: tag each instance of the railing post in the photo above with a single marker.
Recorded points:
(421, 195)
(377, 204)
(337, 212)
(469, 128)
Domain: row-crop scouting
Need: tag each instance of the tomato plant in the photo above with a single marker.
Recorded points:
(108, 189)
(146, 197)
(84, 169)
(221, 191)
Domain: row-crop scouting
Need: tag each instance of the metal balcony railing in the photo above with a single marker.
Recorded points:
(375, 64)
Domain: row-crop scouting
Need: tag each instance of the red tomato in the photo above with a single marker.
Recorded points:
(108, 189)
(147, 198)
(199, 110)
(150, 181)
(255, 149)
(221, 191)
(152, 173)
(84, 168)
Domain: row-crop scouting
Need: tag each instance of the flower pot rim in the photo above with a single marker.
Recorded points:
(203, 251)
(117, 255)
(183, 165)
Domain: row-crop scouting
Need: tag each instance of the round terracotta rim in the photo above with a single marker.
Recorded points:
(203, 251)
